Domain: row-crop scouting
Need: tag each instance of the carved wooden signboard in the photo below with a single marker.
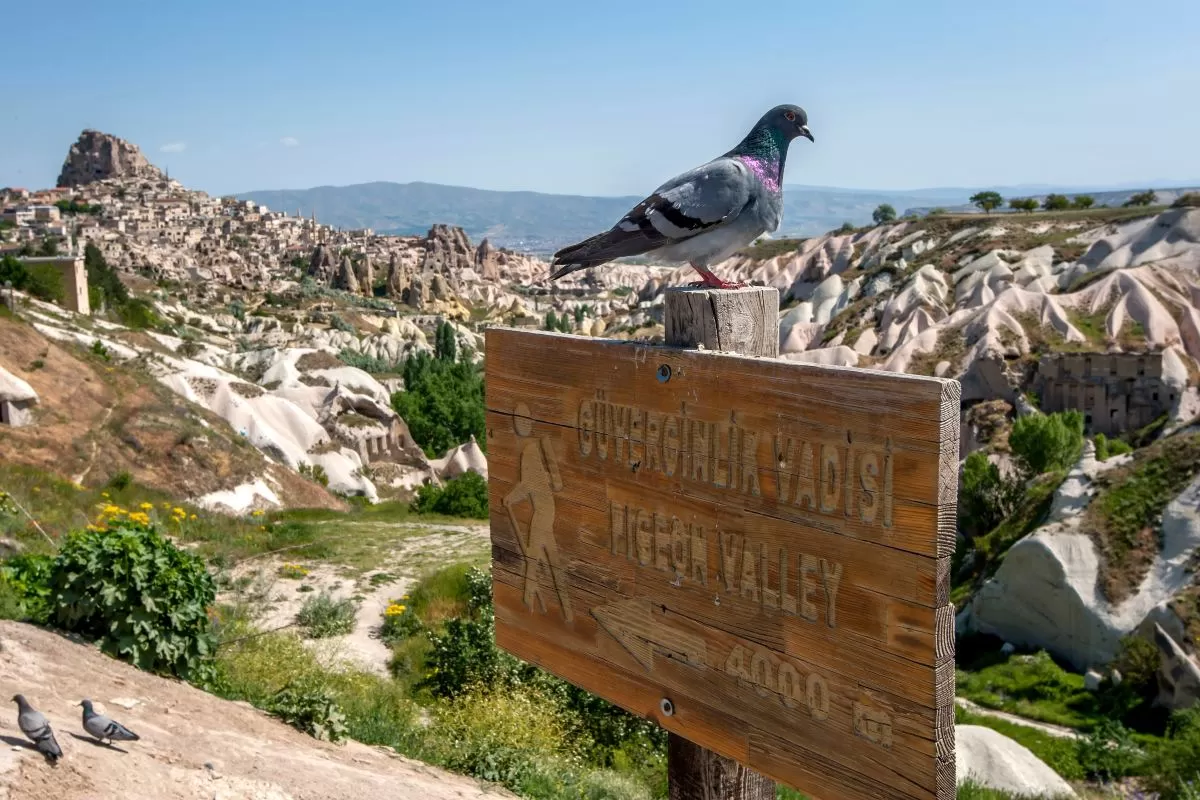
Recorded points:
(754, 553)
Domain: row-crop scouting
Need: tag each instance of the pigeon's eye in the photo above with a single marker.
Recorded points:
(791, 116)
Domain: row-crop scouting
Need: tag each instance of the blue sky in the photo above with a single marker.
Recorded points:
(606, 98)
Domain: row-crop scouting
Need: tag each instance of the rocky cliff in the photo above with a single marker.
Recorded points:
(96, 156)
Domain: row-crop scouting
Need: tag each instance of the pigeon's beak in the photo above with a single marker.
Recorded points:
(807, 134)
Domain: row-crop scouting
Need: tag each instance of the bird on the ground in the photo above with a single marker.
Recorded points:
(706, 214)
(103, 727)
(35, 725)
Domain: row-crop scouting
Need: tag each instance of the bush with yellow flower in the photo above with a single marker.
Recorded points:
(400, 622)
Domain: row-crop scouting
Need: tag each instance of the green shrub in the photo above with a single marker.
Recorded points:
(514, 738)
(138, 314)
(1108, 753)
(1107, 448)
(442, 402)
(464, 496)
(314, 472)
(309, 708)
(322, 616)
(368, 363)
(400, 622)
(25, 588)
(145, 600)
(340, 324)
(1044, 442)
(985, 497)
(1173, 767)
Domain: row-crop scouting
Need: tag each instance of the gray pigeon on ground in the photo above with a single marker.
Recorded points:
(35, 725)
(103, 728)
(708, 213)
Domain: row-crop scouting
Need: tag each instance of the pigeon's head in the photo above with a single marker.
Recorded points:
(86, 703)
(19, 699)
(789, 120)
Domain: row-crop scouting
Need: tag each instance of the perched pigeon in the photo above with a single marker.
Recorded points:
(103, 728)
(706, 214)
(35, 725)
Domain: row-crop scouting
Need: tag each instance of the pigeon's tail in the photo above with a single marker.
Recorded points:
(48, 747)
(623, 239)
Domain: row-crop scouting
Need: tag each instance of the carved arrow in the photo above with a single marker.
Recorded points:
(635, 625)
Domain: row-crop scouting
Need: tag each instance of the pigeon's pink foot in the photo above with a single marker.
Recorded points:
(711, 281)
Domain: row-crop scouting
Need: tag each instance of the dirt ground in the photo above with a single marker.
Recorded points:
(193, 745)
(96, 419)
(418, 548)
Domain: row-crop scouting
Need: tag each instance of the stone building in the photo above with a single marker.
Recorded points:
(1115, 391)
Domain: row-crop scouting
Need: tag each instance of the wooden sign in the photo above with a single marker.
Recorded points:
(754, 553)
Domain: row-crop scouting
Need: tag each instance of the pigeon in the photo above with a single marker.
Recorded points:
(103, 728)
(706, 214)
(35, 725)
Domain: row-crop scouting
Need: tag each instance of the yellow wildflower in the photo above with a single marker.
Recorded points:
(91, 527)
(193, 518)
(258, 512)
(178, 511)
(146, 506)
(110, 510)
(140, 517)
(166, 506)
(104, 494)
(394, 610)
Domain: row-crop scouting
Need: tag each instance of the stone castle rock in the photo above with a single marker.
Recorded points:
(96, 156)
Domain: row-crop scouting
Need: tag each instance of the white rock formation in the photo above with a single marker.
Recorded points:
(991, 759)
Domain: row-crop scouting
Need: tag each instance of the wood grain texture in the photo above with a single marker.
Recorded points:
(758, 540)
(744, 321)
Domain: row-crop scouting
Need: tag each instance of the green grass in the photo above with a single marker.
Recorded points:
(521, 737)
(1034, 687)
(990, 549)
(1058, 753)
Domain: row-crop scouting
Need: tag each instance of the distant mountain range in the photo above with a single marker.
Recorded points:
(541, 223)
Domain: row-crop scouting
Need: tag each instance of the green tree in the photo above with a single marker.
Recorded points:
(1026, 204)
(1056, 202)
(49, 247)
(1146, 198)
(40, 280)
(987, 200)
(884, 213)
(445, 346)
(1083, 201)
(103, 277)
(985, 497)
(442, 402)
(1044, 442)
(551, 321)
(847, 227)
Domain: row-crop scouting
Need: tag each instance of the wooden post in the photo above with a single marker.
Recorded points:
(744, 321)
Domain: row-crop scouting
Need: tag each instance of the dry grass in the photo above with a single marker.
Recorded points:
(951, 346)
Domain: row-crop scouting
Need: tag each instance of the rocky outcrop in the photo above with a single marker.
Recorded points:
(346, 280)
(322, 267)
(366, 276)
(489, 260)
(397, 279)
(447, 249)
(17, 399)
(97, 156)
(1046, 595)
(992, 760)
(1178, 674)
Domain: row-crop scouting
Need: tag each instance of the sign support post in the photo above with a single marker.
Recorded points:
(744, 322)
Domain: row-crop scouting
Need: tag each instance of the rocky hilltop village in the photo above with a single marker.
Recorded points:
(245, 359)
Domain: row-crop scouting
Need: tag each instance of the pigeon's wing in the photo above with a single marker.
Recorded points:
(35, 725)
(685, 206)
(102, 727)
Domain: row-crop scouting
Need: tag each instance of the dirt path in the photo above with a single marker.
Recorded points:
(279, 599)
(81, 477)
(193, 745)
(1060, 731)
